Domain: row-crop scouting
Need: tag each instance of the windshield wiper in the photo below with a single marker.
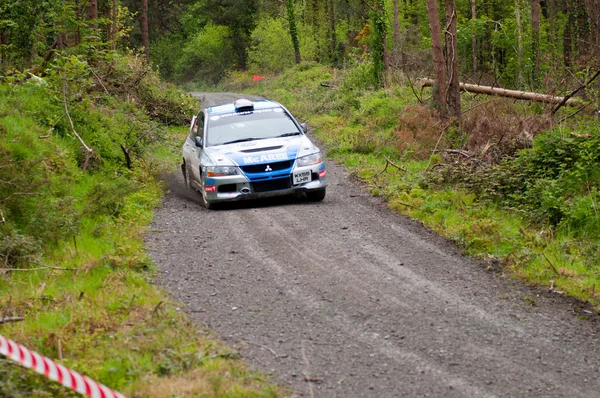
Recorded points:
(288, 134)
(240, 140)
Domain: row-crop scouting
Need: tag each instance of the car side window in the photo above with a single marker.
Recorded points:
(200, 126)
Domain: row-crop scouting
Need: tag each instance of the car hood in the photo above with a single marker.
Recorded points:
(259, 151)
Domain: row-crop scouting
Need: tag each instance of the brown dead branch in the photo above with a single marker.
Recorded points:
(388, 162)
(42, 267)
(19, 194)
(501, 92)
(11, 319)
(99, 81)
(571, 94)
(265, 347)
(458, 152)
(577, 111)
(550, 263)
(88, 151)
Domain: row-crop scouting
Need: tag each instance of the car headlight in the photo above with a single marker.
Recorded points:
(315, 158)
(220, 171)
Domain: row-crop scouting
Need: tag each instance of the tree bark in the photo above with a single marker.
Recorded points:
(594, 13)
(567, 36)
(439, 70)
(93, 9)
(113, 26)
(501, 92)
(289, 5)
(474, 36)
(2, 51)
(332, 32)
(396, 26)
(535, 26)
(519, 43)
(144, 22)
(450, 33)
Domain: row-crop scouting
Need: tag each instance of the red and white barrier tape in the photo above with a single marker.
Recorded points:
(56, 372)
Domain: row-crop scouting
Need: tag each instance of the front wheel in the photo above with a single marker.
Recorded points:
(186, 176)
(206, 203)
(316, 196)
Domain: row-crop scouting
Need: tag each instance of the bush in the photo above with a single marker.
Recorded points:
(272, 50)
(556, 180)
(207, 55)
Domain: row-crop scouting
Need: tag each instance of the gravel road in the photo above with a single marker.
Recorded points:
(345, 299)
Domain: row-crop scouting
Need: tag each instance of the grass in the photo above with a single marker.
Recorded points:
(100, 313)
(361, 128)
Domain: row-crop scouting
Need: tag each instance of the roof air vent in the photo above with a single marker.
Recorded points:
(243, 105)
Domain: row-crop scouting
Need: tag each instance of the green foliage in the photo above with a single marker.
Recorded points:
(272, 50)
(207, 55)
(377, 40)
(555, 181)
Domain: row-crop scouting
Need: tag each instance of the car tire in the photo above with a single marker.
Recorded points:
(187, 177)
(206, 203)
(316, 196)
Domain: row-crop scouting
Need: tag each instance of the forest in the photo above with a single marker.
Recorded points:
(478, 118)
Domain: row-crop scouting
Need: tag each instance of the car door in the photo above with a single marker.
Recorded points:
(197, 144)
(192, 148)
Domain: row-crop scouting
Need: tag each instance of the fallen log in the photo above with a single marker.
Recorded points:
(501, 92)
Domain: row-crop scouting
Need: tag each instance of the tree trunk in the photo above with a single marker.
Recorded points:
(439, 90)
(289, 5)
(144, 21)
(332, 32)
(396, 26)
(594, 13)
(115, 17)
(501, 92)
(453, 97)
(93, 9)
(474, 37)
(535, 42)
(519, 43)
(567, 43)
(2, 50)
(378, 49)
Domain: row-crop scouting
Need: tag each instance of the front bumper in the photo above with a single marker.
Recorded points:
(244, 187)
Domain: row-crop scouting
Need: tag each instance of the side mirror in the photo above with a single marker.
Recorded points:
(199, 141)
(304, 127)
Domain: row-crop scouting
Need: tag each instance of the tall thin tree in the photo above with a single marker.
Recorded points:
(144, 23)
(535, 42)
(451, 43)
(437, 52)
(474, 36)
(289, 5)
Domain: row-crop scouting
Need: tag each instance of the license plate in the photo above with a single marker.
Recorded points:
(302, 177)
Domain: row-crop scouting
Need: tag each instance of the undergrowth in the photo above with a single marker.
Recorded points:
(512, 187)
(72, 261)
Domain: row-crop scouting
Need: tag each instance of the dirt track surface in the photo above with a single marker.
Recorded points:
(345, 299)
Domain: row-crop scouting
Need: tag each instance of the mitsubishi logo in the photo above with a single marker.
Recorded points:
(268, 168)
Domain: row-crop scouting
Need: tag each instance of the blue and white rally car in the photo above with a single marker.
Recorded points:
(251, 149)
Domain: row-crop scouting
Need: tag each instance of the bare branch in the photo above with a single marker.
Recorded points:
(99, 81)
(42, 267)
(19, 194)
(88, 150)
(567, 97)
(11, 319)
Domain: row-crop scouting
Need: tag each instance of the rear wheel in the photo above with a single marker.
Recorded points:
(316, 196)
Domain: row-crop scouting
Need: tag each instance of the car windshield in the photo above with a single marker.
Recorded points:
(248, 126)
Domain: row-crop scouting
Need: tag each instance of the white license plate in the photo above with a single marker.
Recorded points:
(302, 177)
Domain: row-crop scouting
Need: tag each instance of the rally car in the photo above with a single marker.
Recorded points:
(251, 149)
